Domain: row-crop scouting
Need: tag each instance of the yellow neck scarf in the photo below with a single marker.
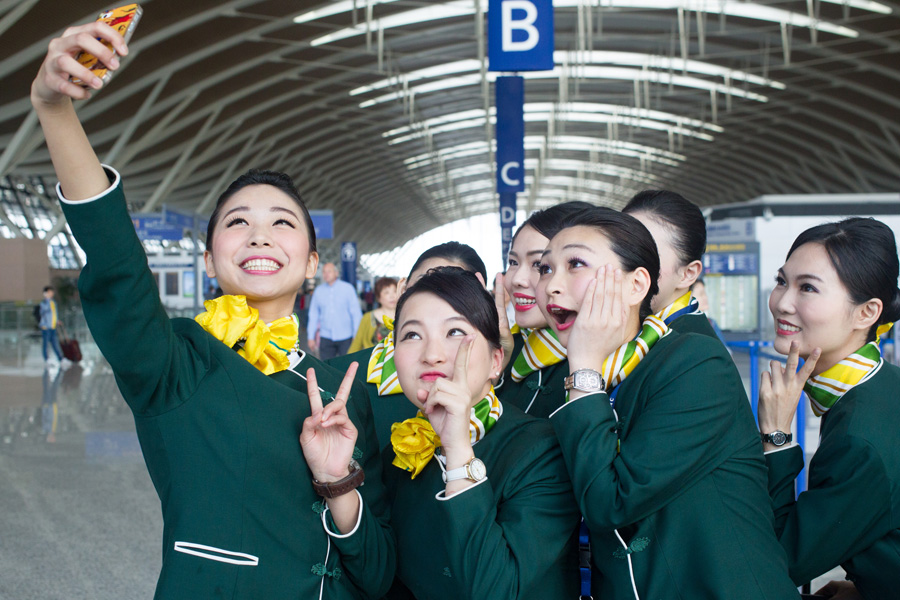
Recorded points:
(414, 440)
(266, 347)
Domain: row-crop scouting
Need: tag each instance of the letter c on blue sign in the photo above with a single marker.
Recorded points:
(504, 173)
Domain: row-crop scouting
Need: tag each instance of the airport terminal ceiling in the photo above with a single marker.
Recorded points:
(382, 109)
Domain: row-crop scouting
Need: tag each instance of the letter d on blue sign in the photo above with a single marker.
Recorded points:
(520, 35)
(510, 102)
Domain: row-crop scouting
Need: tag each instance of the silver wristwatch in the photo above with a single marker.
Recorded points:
(586, 380)
(473, 471)
(777, 438)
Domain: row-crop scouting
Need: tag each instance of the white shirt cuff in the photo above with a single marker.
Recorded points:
(443, 497)
(355, 527)
(112, 186)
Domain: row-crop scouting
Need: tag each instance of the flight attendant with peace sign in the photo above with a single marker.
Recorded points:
(475, 482)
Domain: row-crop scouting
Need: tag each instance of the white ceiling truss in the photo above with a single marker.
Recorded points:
(382, 109)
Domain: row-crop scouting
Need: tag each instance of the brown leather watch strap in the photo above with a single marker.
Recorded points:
(340, 487)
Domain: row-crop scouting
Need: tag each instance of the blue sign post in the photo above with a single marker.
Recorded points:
(510, 100)
(520, 35)
(348, 263)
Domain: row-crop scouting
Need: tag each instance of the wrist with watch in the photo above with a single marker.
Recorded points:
(474, 470)
(333, 489)
(585, 380)
(776, 438)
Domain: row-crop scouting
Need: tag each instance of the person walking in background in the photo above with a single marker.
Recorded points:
(48, 322)
(334, 313)
(372, 328)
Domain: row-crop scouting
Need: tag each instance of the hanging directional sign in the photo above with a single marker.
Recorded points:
(510, 92)
(520, 35)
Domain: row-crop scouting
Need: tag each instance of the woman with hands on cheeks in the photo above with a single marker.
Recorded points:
(482, 503)
(834, 297)
(533, 379)
(657, 433)
(219, 402)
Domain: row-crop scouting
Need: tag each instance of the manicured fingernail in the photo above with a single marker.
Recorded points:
(96, 83)
(114, 63)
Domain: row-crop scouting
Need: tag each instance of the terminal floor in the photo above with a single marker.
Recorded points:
(79, 517)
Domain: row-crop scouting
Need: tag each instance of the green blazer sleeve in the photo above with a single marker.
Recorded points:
(675, 442)
(846, 509)
(512, 549)
(154, 369)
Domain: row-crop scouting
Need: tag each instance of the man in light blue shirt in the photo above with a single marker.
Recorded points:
(335, 313)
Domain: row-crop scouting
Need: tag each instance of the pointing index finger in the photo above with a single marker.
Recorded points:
(461, 366)
(312, 390)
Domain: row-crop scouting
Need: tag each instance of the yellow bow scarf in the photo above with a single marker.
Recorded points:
(381, 370)
(542, 349)
(414, 440)
(266, 347)
(826, 388)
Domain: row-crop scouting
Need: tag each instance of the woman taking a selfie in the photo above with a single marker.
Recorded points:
(533, 379)
(657, 433)
(679, 230)
(481, 500)
(834, 297)
(241, 499)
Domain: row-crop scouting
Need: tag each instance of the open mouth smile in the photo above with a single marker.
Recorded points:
(785, 328)
(523, 302)
(258, 265)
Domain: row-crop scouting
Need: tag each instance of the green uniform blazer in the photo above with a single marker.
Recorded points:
(510, 536)
(687, 491)
(386, 410)
(850, 514)
(220, 440)
(541, 392)
(694, 323)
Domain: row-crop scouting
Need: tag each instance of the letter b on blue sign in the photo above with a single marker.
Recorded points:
(520, 35)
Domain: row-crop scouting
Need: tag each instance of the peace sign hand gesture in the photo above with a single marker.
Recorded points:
(779, 391)
(601, 325)
(448, 404)
(328, 436)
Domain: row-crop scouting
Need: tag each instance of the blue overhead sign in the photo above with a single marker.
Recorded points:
(510, 92)
(152, 226)
(323, 222)
(520, 35)
(507, 222)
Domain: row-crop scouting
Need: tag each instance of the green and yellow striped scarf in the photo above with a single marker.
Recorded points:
(381, 370)
(829, 386)
(542, 349)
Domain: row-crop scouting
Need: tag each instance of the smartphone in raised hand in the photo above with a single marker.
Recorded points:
(124, 20)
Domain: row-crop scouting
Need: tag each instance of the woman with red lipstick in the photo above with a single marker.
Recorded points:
(679, 230)
(377, 371)
(242, 501)
(657, 433)
(834, 297)
(533, 379)
(482, 505)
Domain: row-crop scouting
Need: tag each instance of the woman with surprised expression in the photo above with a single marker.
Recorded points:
(220, 402)
(482, 505)
(532, 381)
(656, 432)
(835, 296)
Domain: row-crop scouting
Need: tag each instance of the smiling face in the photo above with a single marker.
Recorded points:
(567, 268)
(427, 339)
(261, 250)
(811, 306)
(522, 277)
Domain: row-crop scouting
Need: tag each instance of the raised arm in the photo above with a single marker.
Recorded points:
(76, 164)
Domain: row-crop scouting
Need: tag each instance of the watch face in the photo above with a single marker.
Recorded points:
(779, 438)
(587, 380)
(477, 470)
